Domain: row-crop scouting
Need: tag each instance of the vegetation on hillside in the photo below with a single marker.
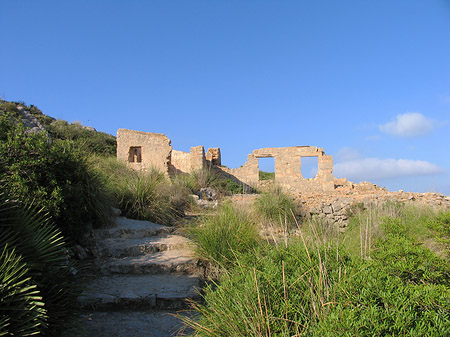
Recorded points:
(387, 282)
(387, 275)
(86, 138)
(266, 175)
(204, 178)
(53, 175)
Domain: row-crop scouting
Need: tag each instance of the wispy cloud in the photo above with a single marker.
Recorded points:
(347, 154)
(374, 168)
(411, 124)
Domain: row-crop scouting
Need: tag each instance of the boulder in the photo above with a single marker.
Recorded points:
(208, 193)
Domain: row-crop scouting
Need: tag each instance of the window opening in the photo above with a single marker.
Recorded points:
(309, 167)
(135, 154)
(266, 168)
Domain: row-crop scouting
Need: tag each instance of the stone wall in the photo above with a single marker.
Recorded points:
(336, 206)
(288, 161)
(198, 159)
(181, 162)
(143, 151)
(213, 156)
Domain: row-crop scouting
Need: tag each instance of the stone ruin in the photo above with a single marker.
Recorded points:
(323, 196)
(145, 150)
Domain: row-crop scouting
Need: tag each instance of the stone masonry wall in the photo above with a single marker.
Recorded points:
(181, 162)
(152, 150)
(288, 168)
(142, 150)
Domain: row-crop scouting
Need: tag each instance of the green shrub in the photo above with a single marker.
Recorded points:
(266, 175)
(441, 226)
(366, 224)
(404, 290)
(220, 236)
(275, 206)
(41, 248)
(199, 179)
(88, 140)
(85, 138)
(51, 175)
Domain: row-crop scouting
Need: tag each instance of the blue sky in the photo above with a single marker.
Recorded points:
(369, 81)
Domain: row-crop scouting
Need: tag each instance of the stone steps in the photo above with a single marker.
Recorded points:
(141, 270)
(161, 291)
(170, 261)
(117, 247)
(129, 324)
(132, 229)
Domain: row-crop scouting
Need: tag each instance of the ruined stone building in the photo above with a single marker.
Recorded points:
(144, 150)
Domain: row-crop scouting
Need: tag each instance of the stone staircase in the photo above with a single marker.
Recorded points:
(143, 274)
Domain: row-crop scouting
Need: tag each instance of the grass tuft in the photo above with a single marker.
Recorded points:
(276, 207)
(219, 237)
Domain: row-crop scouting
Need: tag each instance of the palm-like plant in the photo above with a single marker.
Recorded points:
(40, 246)
(22, 312)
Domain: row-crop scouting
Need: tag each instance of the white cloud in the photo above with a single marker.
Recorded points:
(369, 169)
(346, 154)
(410, 124)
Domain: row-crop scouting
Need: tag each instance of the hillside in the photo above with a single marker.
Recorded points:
(85, 136)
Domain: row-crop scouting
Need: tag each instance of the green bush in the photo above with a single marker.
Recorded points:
(404, 290)
(51, 175)
(43, 296)
(441, 226)
(266, 175)
(88, 140)
(199, 179)
(220, 236)
(85, 138)
(275, 206)
(366, 221)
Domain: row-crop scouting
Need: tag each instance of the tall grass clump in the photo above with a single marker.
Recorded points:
(276, 207)
(219, 237)
(270, 291)
(142, 195)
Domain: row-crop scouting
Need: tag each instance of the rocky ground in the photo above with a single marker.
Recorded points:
(335, 207)
(142, 276)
